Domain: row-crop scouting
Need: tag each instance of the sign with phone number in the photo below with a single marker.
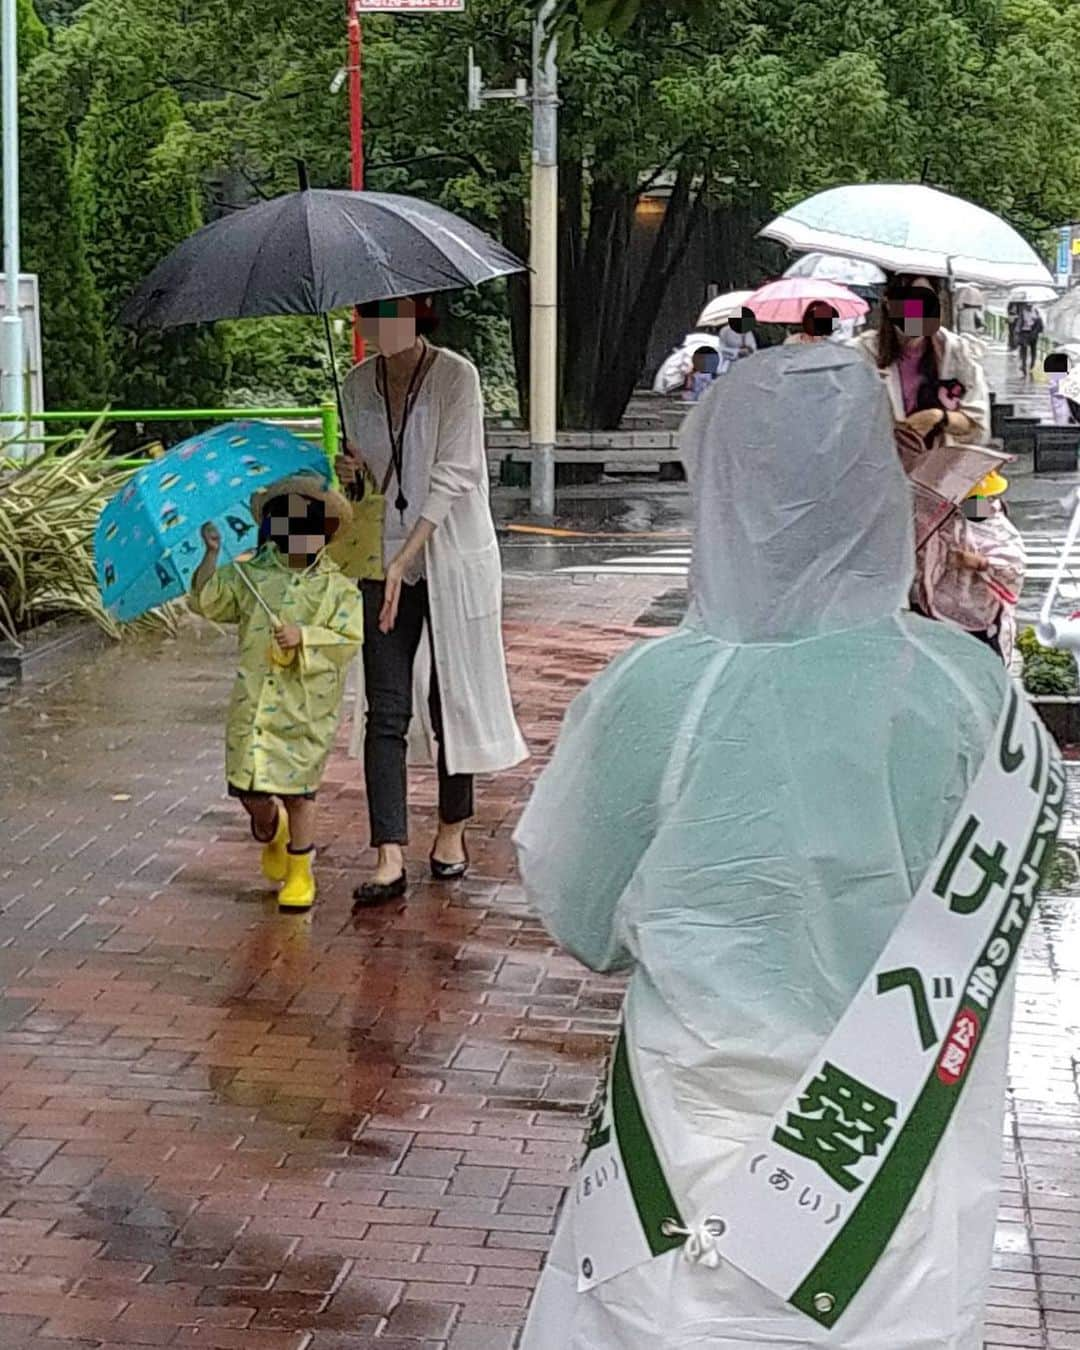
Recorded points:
(409, 6)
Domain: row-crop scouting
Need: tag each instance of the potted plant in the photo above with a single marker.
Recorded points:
(1052, 680)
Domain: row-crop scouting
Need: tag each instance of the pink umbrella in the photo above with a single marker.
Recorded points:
(785, 301)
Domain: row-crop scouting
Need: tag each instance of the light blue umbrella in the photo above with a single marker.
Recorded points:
(909, 227)
(148, 541)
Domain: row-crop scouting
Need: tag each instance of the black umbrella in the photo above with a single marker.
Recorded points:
(312, 252)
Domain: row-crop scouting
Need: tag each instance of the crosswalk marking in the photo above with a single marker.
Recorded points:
(1043, 551)
(669, 562)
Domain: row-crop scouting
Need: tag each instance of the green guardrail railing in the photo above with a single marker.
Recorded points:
(326, 415)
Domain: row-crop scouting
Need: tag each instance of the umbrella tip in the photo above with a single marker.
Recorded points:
(302, 175)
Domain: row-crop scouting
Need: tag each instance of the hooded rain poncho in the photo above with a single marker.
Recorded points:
(739, 813)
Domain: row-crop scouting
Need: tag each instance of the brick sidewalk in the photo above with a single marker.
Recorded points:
(228, 1129)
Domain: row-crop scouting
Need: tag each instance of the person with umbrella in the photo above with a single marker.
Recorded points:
(1063, 368)
(416, 417)
(737, 341)
(433, 643)
(300, 623)
(934, 377)
(1029, 327)
(818, 324)
(703, 371)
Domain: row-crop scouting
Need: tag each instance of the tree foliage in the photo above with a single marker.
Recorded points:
(734, 111)
(140, 190)
(73, 343)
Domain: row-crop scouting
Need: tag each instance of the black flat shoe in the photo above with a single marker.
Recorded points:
(378, 892)
(442, 871)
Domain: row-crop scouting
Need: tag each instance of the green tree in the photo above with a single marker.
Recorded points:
(73, 343)
(140, 188)
(736, 111)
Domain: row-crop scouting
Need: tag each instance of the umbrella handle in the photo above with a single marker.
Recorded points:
(277, 656)
(251, 587)
(353, 493)
(328, 334)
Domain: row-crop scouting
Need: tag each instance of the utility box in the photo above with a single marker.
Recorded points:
(30, 310)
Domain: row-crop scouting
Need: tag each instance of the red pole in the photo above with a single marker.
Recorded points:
(356, 125)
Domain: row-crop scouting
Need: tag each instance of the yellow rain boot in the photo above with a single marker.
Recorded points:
(299, 889)
(274, 864)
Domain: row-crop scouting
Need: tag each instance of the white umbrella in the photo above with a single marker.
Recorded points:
(673, 372)
(723, 308)
(833, 267)
(1032, 295)
(908, 227)
(970, 297)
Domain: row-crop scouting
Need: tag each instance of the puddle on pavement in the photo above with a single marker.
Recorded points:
(634, 510)
(666, 611)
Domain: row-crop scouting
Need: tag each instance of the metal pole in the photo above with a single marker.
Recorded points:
(12, 385)
(356, 99)
(544, 261)
(356, 129)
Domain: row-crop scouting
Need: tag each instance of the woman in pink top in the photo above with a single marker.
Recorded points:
(934, 377)
(970, 572)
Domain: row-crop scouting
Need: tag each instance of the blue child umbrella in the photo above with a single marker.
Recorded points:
(147, 545)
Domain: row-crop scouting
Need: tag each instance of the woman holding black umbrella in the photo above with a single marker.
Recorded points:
(415, 416)
(433, 627)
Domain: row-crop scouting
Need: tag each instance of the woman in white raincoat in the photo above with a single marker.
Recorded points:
(433, 629)
(739, 813)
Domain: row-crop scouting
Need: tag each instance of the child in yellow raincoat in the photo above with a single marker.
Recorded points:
(301, 622)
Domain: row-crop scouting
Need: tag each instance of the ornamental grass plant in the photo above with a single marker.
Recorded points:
(49, 508)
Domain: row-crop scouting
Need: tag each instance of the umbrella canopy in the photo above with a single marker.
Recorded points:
(970, 297)
(723, 308)
(833, 267)
(312, 252)
(1063, 318)
(1032, 295)
(147, 544)
(908, 227)
(785, 301)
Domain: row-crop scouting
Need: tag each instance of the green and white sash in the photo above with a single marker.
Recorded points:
(813, 1202)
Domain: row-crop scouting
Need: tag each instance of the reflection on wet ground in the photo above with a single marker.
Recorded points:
(226, 1128)
(221, 1127)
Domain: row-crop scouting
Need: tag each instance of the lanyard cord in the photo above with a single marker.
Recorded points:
(397, 442)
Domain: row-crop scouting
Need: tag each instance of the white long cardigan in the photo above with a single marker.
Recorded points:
(445, 433)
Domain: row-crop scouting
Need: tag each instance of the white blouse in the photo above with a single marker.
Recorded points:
(426, 450)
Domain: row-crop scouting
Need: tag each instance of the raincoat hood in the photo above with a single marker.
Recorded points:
(802, 511)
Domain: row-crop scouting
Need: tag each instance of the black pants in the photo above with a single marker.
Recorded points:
(388, 672)
(1028, 352)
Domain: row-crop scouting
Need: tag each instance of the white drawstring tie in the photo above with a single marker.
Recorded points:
(700, 1246)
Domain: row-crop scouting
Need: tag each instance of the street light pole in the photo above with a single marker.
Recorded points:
(544, 261)
(12, 385)
(356, 128)
(543, 247)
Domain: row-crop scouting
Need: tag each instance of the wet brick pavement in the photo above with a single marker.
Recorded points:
(228, 1129)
